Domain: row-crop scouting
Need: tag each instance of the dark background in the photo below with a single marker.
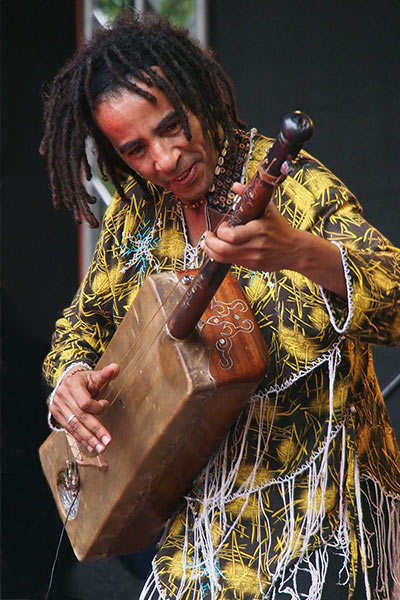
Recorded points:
(336, 60)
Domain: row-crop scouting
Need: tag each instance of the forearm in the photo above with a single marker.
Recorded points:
(319, 260)
(270, 244)
(77, 338)
(66, 350)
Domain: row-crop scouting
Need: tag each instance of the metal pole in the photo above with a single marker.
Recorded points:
(391, 387)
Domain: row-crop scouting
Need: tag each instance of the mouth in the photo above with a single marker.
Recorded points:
(185, 177)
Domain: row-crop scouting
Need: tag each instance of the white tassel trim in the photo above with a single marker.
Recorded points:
(349, 289)
(219, 490)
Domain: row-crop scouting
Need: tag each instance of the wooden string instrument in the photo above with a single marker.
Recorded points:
(190, 355)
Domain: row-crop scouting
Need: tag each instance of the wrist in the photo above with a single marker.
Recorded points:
(73, 367)
(73, 371)
(320, 261)
(301, 253)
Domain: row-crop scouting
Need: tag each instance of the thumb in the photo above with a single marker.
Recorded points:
(109, 371)
(238, 188)
(98, 379)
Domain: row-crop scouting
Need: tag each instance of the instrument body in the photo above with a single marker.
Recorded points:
(171, 405)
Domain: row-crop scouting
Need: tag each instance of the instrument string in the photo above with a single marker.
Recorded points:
(128, 354)
(132, 359)
(51, 579)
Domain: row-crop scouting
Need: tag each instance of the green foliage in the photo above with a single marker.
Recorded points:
(180, 12)
(177, 11)
(111, 8)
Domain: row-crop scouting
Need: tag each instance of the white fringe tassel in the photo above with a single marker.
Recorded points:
(219, 490)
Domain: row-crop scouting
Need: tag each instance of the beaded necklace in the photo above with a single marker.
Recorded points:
(225, 174)
(228, 170)
(192, 205)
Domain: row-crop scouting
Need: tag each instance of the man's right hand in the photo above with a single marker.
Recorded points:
(74, 406)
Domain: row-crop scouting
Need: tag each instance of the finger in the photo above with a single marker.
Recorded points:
(219, 250)
(76, 392)
(232, 235)
(88, 431)
(83, 426)
(74, 408)
(240, 234)
(238, 188)
(97, 380)
(110, 371)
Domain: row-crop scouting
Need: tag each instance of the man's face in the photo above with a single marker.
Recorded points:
(150, 139)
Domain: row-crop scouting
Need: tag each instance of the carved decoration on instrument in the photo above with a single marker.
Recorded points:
(231, 319)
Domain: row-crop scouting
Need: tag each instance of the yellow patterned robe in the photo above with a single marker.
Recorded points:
(289, 476)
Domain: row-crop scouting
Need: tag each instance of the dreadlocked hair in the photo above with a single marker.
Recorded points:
(114, 60)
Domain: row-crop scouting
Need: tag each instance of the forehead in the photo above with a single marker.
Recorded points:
(140, 91)
(125, 106)
(148, 86)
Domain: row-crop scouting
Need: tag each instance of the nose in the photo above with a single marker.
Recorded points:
(165, 156)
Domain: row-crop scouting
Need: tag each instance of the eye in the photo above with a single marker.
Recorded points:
(173, 127)
(136, 151)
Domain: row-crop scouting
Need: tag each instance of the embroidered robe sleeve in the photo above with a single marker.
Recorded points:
(87, 325)
(371, 263)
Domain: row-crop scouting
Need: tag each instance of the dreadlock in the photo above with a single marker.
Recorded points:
(111, 61)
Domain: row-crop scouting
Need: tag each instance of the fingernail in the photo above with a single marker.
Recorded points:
(105, 439)
(99, 448)
(90, 449)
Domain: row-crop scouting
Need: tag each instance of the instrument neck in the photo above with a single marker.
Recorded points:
(296, 129)
(210, 276)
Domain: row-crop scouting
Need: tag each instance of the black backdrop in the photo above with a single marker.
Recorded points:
(337, 60)
(39, 272)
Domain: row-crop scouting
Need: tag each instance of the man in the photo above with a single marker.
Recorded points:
(291, 504)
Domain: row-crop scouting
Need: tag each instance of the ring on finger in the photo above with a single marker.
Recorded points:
(71, 416)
